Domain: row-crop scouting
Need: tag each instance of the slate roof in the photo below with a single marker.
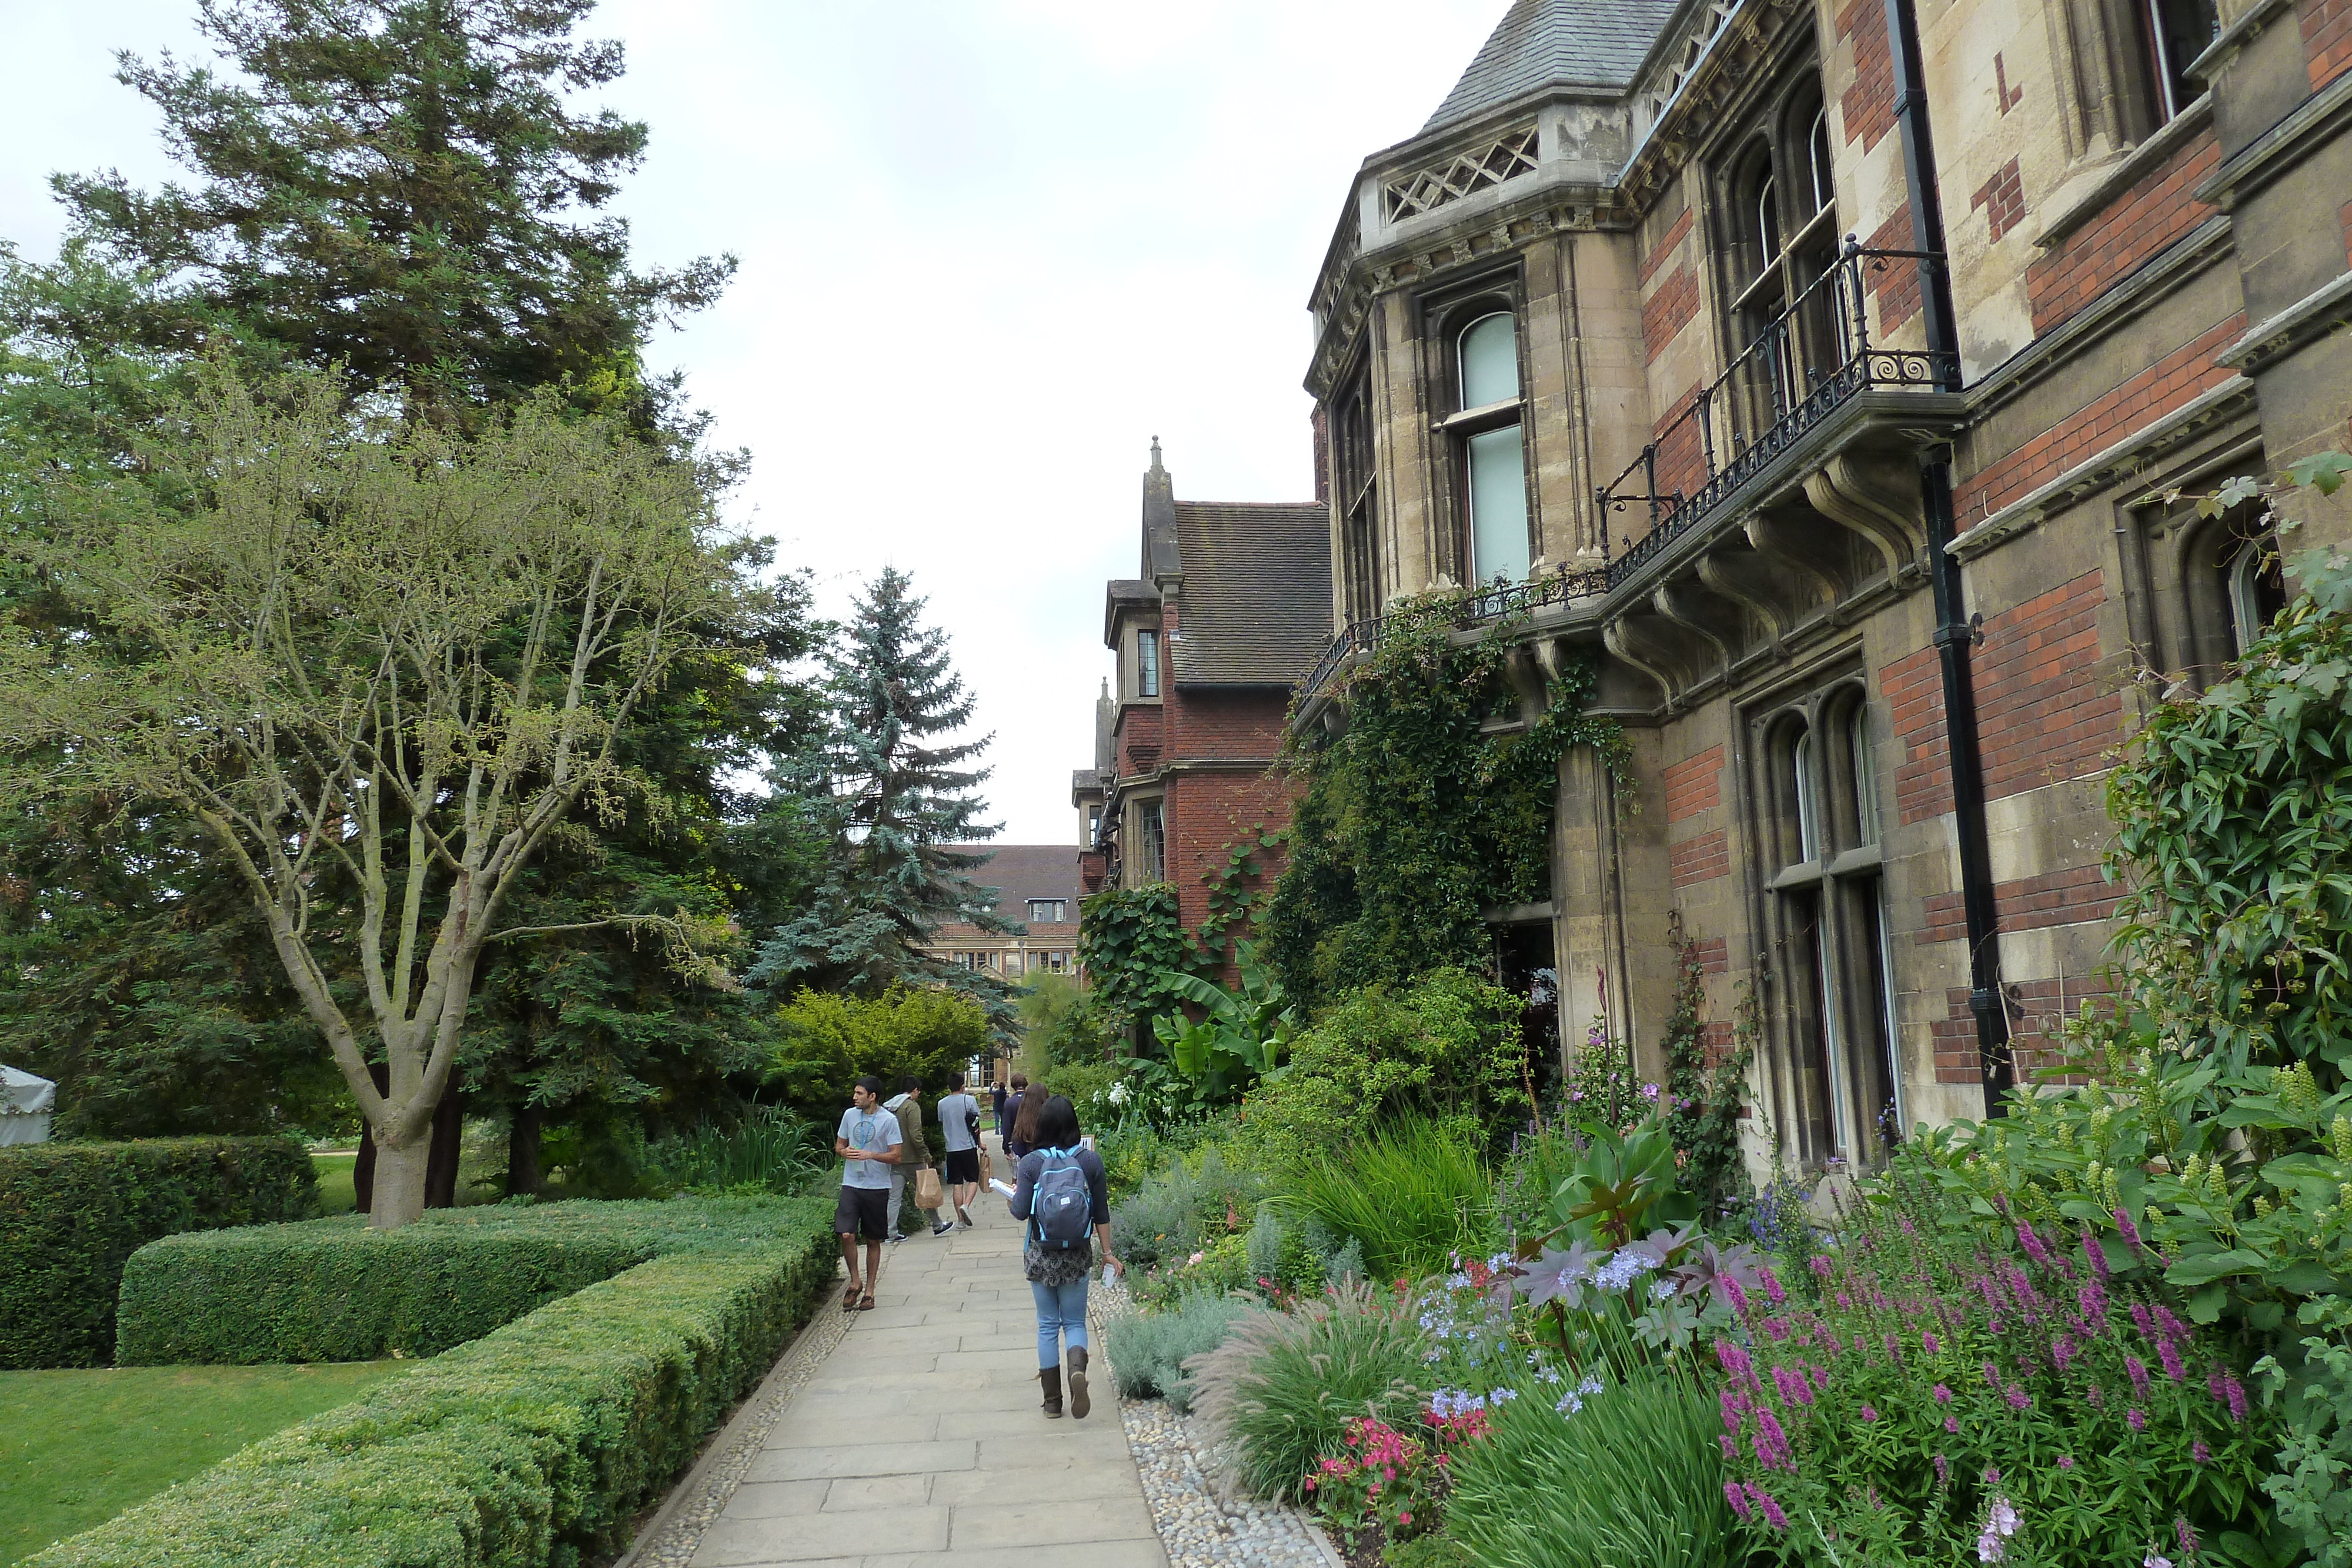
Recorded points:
(1257, 610)
(1543, 44)
(1020, 873)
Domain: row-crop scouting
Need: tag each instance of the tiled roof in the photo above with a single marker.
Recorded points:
(1257, 592)
(1555, 43)
(1020, 873)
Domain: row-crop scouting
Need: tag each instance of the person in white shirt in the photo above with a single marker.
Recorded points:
(959, 1116)
(869, 1145)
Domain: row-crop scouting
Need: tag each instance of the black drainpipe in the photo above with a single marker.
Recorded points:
(1954, 634)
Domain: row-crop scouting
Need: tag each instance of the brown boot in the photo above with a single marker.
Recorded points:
(1051, 1376)
(1079, 1403)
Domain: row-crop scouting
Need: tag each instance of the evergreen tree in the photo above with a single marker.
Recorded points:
(391, 185)
(892, 799)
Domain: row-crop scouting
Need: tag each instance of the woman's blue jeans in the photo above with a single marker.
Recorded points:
(1061, 1315)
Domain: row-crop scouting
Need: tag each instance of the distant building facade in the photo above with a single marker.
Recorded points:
(1035, 885)
(1823, 368)
(1211, 639)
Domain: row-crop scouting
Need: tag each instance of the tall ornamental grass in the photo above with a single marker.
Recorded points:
(1278, 1393)
(1628, 1474)
(1412, 1194)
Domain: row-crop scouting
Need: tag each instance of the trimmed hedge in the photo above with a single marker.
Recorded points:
(534, 1445)
(71, 1213)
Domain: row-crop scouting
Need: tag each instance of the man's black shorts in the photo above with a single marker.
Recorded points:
(862, 1211)
(963, 1165)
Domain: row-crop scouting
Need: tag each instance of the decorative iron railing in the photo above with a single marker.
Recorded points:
(1812, 357)
(1491, 603)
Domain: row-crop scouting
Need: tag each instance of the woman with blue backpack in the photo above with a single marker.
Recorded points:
(1061, 1194)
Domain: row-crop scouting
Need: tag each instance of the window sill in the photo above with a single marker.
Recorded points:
(1502, 412)
(2127, 171)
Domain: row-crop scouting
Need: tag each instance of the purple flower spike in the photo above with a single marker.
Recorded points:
(2134, 1420)
(1943, 1471)
(2124, 1227)
(1737, 1499)
(2198, 1453)
(2137, 1370)
(2095, 1254)
(1773, 1290)
(2170, 1357)
(1927, 1341)
(2032, 1242)
(1772, 1514)
(2187, 1534)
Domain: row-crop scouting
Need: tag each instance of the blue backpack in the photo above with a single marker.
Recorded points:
(1061, 1207)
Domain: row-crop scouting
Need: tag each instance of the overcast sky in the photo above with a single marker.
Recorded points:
(990, 247)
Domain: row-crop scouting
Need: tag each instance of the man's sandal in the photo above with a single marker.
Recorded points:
(866, 1302)
(849, 1299)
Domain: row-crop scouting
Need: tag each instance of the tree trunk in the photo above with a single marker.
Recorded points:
(441, 1156)
(522, 1151)
(399, 1184)
(363, 1168)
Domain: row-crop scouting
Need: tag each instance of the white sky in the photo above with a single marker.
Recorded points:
(990, 247)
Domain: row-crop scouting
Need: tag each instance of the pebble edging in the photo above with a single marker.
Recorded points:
(1197, 1528)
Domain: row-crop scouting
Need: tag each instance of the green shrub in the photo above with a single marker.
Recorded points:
(1410, 1196)
(1632, 1476)
(536, 1444)
(1194, 1202)
(772, 1149)
(1148, 1350)
(829, 1040)
(1278, 1395)
(1447, 1048)
(71, 1213)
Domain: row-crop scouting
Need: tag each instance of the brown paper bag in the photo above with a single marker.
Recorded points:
(927, 1188)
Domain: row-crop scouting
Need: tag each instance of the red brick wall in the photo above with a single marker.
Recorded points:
(1915, 696)
(1694, 785)
(1665, 248)
(1869, 103)
(2002, 197)
(1714, 956)
(2142, 220)
(2040, 715)
(2066, 897)
(1957, 1058)
(1894, 283)
(1139, 741)
(2326, 39)
(2174, 379)
(1702, 858)
(1224, 724)
(1668, 310)
(1208, 813)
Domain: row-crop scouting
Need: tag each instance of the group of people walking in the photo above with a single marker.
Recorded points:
(1059, 1194)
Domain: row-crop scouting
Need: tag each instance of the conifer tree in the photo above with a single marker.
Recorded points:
(393, 185)
(895, 799)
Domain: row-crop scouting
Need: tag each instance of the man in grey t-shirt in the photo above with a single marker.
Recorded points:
(869, 1144)
(959, 1116)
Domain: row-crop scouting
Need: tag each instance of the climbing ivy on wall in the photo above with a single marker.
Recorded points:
(1417, 818)
(1127, 938)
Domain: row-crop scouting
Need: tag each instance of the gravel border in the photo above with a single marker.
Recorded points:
(1197, 1527)
(671, 1537)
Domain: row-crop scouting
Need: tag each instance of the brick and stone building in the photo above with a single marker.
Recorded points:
(1826, 370)
(1035, 885)
(1231, 609)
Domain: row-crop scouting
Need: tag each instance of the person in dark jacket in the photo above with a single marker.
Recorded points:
(1058, 1276)
(1008, 1117)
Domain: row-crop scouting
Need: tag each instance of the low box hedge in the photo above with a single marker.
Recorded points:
(534, 1445)
(71, 1213)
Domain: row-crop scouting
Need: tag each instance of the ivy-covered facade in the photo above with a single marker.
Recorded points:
(1772, 477)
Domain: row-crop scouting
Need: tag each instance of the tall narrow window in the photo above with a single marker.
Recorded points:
(2257, 592)
(1146, 663)
(1779, 196)
(1825, 919)
(2173, 34)
(1361, 581)
(1151, 842)
(1493, 455)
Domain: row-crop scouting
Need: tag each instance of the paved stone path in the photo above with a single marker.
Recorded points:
(919, 1441)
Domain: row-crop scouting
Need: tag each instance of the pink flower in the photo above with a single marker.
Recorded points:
(1821, 1265)
(1952, 1425)
(2027, 1238)
(2198, 1452)
(1773, 1293)
(2018, 1398)
(1927, 1341)
(2171, 1360)
(2096, 1253)
(1772, 1514)
(1733, 1405)
(2134, 1420)
(1730, 1448)
(1869, 1415)
(1405, 1517)
(1943, 1394)
(2137, 1370)
(2226, 1388)
(2062, 1350)
(1737, 1499)
(1991, 1376)
(2125, 1228)
(2065, 1462)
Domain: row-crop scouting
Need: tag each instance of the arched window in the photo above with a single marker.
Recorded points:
(1494, 457)
(2257, 592)
(1824, 186)
(1490, 360)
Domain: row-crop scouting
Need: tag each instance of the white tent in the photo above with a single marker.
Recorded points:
(24, 1106)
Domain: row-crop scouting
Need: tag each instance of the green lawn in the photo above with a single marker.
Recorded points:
(78, 1448)
(335, 1194)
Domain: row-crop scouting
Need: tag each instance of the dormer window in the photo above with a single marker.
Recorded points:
(1146, 663)
(1494, 455)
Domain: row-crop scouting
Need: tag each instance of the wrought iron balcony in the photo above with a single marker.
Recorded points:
(1810, 359)
(1490, 603)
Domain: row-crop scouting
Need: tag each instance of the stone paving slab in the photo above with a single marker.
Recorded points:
(918, 1441)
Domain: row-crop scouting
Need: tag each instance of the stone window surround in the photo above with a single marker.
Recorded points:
(1440, 317)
